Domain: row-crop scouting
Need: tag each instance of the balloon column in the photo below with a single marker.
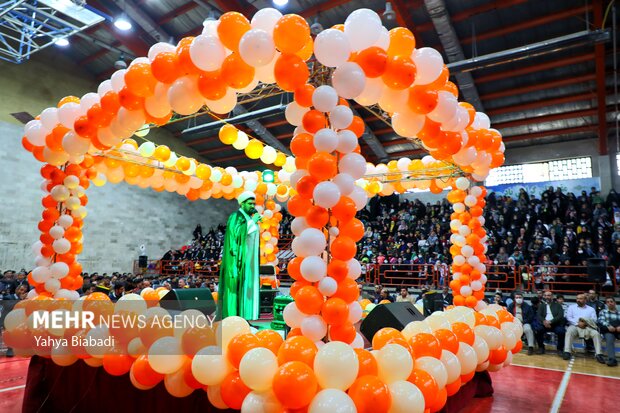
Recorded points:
(321, 366)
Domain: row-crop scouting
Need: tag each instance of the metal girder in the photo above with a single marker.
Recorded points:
(261, 131)
(572, 80)
(454, 52)
(403, 18)
(179, 11)
(137, 14)
(552, 132)
(541, 103)
(372, 141)
(528, 24)
(573, 60)
(599, 53)
(321, 7)
(547, 118)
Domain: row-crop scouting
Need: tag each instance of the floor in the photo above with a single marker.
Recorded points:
(538, 383)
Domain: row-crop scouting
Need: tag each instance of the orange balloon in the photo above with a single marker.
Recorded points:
(139, 79)
(322, 166)
(373, 61)
(452, 88)
(425, 344)
(296, 286)
(402, 42)
(309, 300)
(440, 81)
(367, 363)
(337, 269)
(129, 100)
(516, 349)
(344, 210)
(357, 126)
(270, 339)
(305, 186)
(291, 33)
(440, 401)
(233, 390)
(317, 217)
(232, 27)
(298, 348)
(306, 52)
(335, 312)
(343, 248)
(314, 120)
(399, 73)
(426, 383)
(471, 301)
(383, 336)
(144, 373)
(294, 385)
(347, 290)
(290, 72)
(303, 95)
(449, 340)
(68, 99)
(186, 65)
(464, 333)
(298, 205)
(211, 85)
(165, 67)
(237, 73)
(116, 363)
(370, 395)
(293, 268)
(453, 388)
(240, 345)
(422, 100)
(353, 229)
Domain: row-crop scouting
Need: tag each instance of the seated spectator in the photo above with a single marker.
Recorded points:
(582, 323)
(446, 296)
(404, 296)
(525, 313)
(609, 321)
(117, 291)
(385, 295)
(550, 317)
(594, 302)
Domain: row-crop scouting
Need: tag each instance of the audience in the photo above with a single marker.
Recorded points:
(609, 322)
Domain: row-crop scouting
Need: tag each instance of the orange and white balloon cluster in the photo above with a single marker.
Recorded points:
(270, 232)
(413, 370)
(469, 244)
(324, 208)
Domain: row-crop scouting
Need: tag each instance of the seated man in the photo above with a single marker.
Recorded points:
(404, 296)
(609, 321)
(582, 323)
(550, 317)
(524, 312)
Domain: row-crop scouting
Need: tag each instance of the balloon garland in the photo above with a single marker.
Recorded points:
(321, 366)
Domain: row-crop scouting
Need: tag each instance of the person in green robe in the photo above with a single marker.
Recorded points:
(239, 276)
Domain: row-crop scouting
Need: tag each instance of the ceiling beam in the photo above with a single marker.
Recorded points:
(241, 6)
(552, 132)
(538, 67)
(321, 7)
(404, 19)
(546, 118)
(144, 20)
(541, 103)
(261, 131)
(371, 140)
(528, 24)
(401, 154)
(554, 84)
(599, 53)
(399, 141)
(179, 11)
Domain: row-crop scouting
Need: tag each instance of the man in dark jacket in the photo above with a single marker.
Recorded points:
(525, 313)
(550, 319)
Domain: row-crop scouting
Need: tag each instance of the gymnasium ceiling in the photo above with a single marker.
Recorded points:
(563, 92)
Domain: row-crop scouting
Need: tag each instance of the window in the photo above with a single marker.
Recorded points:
(563, 169)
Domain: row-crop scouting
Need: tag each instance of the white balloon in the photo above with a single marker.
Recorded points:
(325, 140)
(359, 196)
(313, 268)
(327, 286)
(353, 164)
(312, 242)
(407, 123)
(118, 80)
(61, 246)
(394, 363)
(406, 398)
(345, 183)
(347, 141)
(362, 28)
(332, 400)
(371, 93)
(393, 100)
(158, 48)
(292, 316)
(452, 364)
(294, 113)
(67, 114)
(341, 117)
(49, 118)
(324, 98)
(225, 104)
(157, 104)
(207, 52)
(331, 48)
(265, 74)
(315, 328)
(266, 19)
(349, 80)
(326, 194)
(429, 65)
(435, 368)
(184, 97)
(257, 368)
(355, 269)
(257, 48)
(336, 365)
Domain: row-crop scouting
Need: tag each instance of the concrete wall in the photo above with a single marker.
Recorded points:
(120, 217)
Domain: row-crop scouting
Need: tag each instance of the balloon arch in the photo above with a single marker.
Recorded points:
(321, 365)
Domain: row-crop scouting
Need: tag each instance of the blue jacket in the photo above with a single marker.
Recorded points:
(527, 312)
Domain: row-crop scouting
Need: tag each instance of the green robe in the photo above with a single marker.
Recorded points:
(239, 276)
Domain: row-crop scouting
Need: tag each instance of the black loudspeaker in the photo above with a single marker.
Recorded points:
(597, 270)
(432, 302)
(182, 299)
(267, 270)
(143, 261)
(395, 315)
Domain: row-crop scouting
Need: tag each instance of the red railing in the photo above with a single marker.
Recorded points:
(565, 278)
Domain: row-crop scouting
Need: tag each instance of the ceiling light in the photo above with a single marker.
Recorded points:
(120, 63)
(122, 23)
(389, 13)
(316, 27)
(280, 3)
(62, 42)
